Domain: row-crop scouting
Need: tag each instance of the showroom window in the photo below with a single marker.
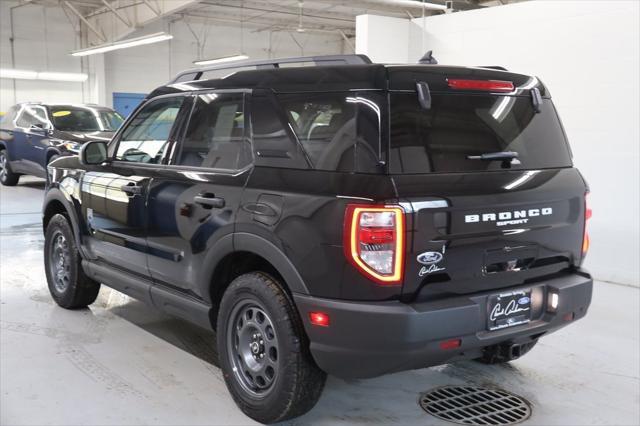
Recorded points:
(272, 144)
(147, 136)
(457, 126)
(215, 136)
(339, 131)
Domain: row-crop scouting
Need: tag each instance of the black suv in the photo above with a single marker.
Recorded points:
(32, 134)
(348, 218)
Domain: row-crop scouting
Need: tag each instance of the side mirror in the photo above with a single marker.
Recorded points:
(92, 153)
(38, 127)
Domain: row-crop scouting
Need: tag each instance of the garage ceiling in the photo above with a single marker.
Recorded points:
(282, 15)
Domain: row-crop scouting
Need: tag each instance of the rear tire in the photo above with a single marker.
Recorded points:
(264, 352)
(7, 176)
(69, 286)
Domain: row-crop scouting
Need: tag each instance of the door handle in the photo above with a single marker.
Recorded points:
(208, 200)
(131, 189)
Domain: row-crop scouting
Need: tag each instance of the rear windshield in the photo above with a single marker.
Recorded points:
(456, 126)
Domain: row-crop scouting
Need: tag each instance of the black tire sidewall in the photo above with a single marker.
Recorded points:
(251, 286)
(60, 223)
(10, 178)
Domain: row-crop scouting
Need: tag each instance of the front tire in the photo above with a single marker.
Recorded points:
(7, 176)
(264, 353)
(69, 286)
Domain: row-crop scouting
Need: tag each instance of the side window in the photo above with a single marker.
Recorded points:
(7, 118)
(147, 136)
(215, 135)
(32, 116)
(271, 143)
(338, 131)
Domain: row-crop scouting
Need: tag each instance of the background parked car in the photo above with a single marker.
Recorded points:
(32, 134)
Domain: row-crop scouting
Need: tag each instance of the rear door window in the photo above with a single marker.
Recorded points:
(338, 131)
(273, 144)
(215, 136)
(456, 126)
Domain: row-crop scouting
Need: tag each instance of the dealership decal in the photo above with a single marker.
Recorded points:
(511, 308)
(515, 217)
(430, 259)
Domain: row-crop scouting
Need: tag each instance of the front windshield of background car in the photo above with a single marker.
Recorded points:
(84, 119)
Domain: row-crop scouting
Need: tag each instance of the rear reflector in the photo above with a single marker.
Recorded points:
(319, 318)
(374, 241)
(450, 344)
(484, 85)
(587, 215)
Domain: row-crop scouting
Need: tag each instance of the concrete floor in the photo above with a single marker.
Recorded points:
(121, 362)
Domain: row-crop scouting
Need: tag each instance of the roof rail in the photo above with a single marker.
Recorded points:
(327, 60)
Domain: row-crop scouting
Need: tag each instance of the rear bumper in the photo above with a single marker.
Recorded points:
(368, 339)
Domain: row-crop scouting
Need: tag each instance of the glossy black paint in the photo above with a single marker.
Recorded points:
(31, 149)
(166, 244)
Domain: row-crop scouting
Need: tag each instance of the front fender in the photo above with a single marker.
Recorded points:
(54, 194)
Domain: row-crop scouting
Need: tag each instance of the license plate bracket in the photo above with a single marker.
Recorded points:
(508, 309)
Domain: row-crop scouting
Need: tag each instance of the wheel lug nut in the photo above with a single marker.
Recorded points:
(261, 342)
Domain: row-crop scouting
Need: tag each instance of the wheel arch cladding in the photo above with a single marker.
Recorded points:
(54, 203)
(250, 254)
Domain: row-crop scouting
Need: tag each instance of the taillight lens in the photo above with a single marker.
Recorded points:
(484, 85)
(374, 241)
(587, 216)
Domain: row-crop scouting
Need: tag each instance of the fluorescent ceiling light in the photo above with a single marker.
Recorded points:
(123, 44)
(21, 74)
(45, 75)
(221, 60)
(62, 76)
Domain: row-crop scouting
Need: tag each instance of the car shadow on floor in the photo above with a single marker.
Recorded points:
(344, 401)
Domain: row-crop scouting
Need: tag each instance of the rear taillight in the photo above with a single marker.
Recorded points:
(484, 85)
(587, 216)
(374, 241)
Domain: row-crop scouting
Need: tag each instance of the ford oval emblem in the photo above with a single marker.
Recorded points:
(429, 257)
(524, 300)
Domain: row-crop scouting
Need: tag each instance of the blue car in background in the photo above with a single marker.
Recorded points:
(32, 134)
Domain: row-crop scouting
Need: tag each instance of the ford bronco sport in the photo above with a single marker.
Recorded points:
(347, 218)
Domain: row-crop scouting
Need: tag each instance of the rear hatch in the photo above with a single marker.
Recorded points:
(478, 223)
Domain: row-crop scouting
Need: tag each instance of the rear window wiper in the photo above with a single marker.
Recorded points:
(507, 157)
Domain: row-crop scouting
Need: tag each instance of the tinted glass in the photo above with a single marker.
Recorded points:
(8, 117)
(456, 126)
(33, 116)
(146, 137)
(272, 144)
(338, 131)
(215, 134)
(84, 119)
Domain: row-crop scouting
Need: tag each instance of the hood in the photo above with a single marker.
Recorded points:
(82, 137)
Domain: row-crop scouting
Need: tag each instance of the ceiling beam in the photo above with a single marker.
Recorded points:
(85, 21)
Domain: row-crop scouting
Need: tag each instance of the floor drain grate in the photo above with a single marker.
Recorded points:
(474, 405)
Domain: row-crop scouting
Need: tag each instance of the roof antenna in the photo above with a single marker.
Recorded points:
(428, 58)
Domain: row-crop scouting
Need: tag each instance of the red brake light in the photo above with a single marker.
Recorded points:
(587, 215)
(484, 85)
(319, 318)
(374, 241)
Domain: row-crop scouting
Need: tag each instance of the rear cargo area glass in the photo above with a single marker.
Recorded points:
(439, 139)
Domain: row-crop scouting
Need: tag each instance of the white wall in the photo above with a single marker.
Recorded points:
(587, 53)
(43, 39)
(142, 69)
